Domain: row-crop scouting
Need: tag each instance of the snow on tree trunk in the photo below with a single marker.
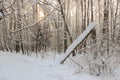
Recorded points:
(78, 41)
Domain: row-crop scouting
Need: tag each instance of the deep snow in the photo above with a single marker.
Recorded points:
(21, 67)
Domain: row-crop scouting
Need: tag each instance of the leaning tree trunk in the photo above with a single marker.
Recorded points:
(66, 30)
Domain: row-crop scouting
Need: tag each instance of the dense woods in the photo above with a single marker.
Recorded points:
(52, 25)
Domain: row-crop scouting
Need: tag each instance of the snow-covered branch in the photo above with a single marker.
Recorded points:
(78, 41)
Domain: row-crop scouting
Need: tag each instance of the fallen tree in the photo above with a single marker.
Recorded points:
(78, 41)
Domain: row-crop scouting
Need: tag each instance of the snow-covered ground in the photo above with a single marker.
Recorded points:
(21, 67)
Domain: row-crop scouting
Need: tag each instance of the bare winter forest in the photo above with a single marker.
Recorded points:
(41, 26)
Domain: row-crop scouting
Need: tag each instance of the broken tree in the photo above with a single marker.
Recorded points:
(82, 36)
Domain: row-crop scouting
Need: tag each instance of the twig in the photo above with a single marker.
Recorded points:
(76, 62)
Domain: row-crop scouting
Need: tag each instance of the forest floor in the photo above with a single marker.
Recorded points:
(22, 67)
